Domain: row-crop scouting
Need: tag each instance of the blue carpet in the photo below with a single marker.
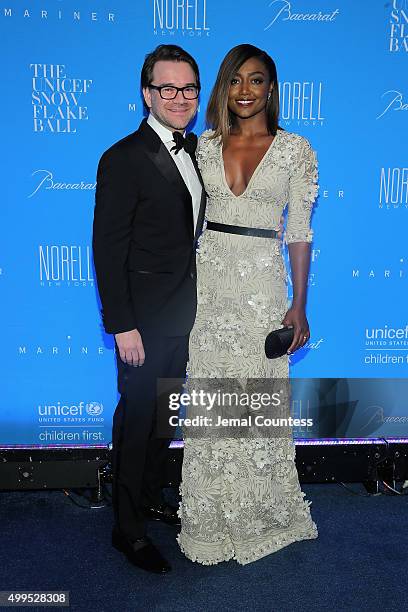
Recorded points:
(358, 563)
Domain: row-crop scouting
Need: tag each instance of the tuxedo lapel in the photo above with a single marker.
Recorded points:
(160, 156)
(167, 166)
(200, 218)
(201, 212)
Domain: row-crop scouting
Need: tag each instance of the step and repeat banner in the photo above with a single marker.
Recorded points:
(70, 74)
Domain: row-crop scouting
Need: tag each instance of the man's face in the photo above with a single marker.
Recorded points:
(173, 114)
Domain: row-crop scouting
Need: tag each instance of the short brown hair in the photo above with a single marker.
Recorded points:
(219, 118)
(167, 53)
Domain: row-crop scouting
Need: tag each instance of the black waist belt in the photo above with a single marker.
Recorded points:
(243, 231)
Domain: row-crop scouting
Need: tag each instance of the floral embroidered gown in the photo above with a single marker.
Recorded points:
(241, 497)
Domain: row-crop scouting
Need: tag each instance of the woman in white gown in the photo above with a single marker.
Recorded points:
(241, 497)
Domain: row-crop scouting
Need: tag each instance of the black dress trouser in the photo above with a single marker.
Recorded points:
(140, 451)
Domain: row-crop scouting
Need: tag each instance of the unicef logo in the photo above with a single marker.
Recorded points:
(94, 408)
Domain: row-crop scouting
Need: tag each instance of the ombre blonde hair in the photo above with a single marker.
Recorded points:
(218, 116)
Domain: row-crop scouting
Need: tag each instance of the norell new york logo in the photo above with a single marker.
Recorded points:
(185, 17)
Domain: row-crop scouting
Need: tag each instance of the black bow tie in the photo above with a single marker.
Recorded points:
(189, 143)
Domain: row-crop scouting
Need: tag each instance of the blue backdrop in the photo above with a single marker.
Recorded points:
(71, 79)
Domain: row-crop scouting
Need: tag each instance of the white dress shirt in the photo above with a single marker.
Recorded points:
(183, 162)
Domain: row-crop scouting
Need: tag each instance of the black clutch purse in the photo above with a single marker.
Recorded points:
(278, 342)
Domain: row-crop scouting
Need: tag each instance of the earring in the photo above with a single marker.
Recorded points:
(269, 95)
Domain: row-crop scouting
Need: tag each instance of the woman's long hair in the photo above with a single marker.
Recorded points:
(219, 118)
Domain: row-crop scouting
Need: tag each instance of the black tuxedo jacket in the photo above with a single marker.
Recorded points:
(143, 239)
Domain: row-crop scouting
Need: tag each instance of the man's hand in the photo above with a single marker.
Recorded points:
(130, 347)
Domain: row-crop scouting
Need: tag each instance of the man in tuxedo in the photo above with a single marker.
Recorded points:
(148, 215)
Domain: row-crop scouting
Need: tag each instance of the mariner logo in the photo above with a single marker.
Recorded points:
(45, 15)
(182, 17)
(391, 271)
(68, 347)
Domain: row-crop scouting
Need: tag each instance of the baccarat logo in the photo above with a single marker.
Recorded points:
(393, 101)
(44, 180)
(283, 10)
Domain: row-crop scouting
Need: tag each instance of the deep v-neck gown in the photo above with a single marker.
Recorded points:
(241, 497)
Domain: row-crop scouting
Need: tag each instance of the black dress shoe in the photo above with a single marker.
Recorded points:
(163, 513)
(141, 553)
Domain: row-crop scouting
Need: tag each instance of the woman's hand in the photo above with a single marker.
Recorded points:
(296, 318)
(281, 228)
